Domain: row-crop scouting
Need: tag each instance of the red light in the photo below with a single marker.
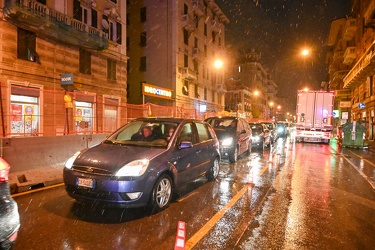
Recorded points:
(13, 237)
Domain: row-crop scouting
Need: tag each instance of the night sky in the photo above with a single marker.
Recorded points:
(279, 29)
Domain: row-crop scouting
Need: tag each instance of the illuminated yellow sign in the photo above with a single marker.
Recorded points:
(156, 91)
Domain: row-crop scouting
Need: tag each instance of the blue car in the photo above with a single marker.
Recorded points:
(143, 162)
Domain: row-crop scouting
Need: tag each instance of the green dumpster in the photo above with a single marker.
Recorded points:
(353, 134)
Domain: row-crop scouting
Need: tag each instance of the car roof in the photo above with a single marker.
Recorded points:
(167, 119)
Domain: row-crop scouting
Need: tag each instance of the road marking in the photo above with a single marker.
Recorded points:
(212, 222)
(37, 190)
(369, 162)
(372, 184)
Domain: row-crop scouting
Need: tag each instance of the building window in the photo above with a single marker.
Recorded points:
(196, 91)
(185, 9)
(143, 66)
(24, 110)
(213, 37)
(205, 94)
(205, 29)
(94, 18)
(111, 69)
(196, 68)
(185, 88)
(213, 96)
(77, 10)
(186, 37)
(143, 39)
(114, 1)
(26, 46)
(143, 14)
(195, 42)
(84, 62)
(186, 61)
(205, 50)
(119, 33)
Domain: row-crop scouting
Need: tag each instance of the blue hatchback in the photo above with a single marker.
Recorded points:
(143, 162)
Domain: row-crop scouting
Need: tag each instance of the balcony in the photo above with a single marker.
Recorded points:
(188, 23)
(338, 56)
(196, 53)
(50, 24)
(198, 8)
(350, 55)
(220, 88)
(188, 74)
(350, 29)
(368, 15)
(216, 26)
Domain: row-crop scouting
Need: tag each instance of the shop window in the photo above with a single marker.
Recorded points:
(25, 111)
(84, 117)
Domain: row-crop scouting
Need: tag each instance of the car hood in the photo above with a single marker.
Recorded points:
(112, 157)
(222, 134)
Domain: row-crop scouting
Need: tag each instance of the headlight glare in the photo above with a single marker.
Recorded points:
(134, 168)
(227, 141)
(70, 161)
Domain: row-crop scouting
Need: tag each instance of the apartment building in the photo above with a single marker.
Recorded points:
(172, 46)
(259, 89)
(62, 66)
(352, 67)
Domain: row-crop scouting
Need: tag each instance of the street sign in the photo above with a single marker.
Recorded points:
(361, 105)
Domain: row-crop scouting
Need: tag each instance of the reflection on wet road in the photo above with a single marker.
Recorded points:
(293, 195)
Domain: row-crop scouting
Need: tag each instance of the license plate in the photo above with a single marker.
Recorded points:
(89, 183)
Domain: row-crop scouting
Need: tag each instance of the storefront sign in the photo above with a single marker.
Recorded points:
(66, 79)
(151, 90)
(345, 104)
(345, 115)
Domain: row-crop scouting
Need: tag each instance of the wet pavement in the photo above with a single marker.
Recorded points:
(291, 196)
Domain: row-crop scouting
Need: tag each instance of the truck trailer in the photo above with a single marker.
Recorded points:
(314, 116)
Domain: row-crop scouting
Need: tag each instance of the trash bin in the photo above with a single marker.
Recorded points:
(353, 134)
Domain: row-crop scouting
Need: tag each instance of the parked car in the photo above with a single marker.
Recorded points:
(272, 128)
(132, 168)
(9, 216)
(261, 136)
(234, 134)
(282, 129)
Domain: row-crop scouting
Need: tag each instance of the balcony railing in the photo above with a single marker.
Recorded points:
(49, 23)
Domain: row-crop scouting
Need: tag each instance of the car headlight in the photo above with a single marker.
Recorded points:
(256, 138)
(280, 130)
(227, 141)
(134, 168)
(70, 161)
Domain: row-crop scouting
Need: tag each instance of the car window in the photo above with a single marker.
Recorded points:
(203, 133)
(144, 133)
(186, 133)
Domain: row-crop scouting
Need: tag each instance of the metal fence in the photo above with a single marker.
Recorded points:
(38, 112)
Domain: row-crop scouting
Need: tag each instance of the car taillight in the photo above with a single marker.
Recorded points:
(4, 170)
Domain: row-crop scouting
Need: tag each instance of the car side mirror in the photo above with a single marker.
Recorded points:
(185, 144)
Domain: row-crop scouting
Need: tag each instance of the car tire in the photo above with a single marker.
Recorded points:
(213, 172)
(161, 194)
(233, 157)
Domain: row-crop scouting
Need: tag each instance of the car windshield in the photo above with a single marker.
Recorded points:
(256, 128)
(144, 134)
(222, 123)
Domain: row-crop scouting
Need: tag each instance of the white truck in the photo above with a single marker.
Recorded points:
(314, 116)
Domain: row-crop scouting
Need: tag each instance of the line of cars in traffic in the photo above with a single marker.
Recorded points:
(142, 163)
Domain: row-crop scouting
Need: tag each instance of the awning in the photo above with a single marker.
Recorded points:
(364, 68)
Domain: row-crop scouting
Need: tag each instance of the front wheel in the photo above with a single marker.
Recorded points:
(213, 172)
(161, 194)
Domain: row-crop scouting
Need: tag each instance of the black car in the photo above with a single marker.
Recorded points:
(9, 216)
(261, 136)
(143, 162)
(234, 134)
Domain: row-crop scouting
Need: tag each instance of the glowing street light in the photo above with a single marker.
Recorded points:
(305, 52)
(218, 64)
